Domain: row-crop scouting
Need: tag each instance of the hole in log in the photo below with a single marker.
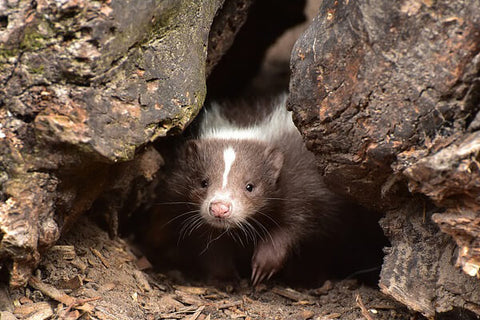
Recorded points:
(353, 250)
(457, 314)
(3, 22)
(4, 271)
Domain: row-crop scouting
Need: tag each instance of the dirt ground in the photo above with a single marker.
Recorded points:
(89, 276)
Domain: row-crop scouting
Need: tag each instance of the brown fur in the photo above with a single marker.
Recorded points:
(289, 201)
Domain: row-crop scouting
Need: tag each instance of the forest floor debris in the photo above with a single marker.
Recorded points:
(89, 276)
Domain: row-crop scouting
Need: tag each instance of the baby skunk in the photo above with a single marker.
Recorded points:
(255, 181)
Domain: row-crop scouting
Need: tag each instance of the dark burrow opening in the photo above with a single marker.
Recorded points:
(3, 22)
(255, 67)
(353, 250)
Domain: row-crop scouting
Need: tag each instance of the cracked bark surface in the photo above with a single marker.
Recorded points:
(386, 96)
(84, 87)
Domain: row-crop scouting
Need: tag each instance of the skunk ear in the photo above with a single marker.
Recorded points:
(274, 158)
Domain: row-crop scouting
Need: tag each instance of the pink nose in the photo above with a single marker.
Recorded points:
(220, 209)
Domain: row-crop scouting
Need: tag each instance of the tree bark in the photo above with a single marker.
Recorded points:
(386, 96)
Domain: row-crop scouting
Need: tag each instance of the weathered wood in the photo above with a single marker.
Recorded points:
(85, 85)
(386, 96)
(420, 251)
(225, 27)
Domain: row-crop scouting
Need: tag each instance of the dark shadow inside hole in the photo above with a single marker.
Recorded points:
(266, 21)
(352, 250)
(3, 22)
(4, 271)
(457, 314)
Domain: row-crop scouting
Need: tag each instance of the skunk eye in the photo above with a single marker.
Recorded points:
(249, 187)
(204, 183)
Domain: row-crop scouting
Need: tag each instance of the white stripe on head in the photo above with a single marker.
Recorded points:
(228, 157)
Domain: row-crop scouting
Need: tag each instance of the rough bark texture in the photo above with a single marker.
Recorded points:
(386, 95)
(85, 85)
(224, 29)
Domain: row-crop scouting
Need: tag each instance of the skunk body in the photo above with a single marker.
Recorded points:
(249, 176)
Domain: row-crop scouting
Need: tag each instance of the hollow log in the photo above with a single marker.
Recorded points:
(386, 96)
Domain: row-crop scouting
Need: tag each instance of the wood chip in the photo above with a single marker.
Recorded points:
(82, 266)
(179, 313)
(143, 263)
(187, 298)
(73, 283)
(142, 280)
(214, 296)
(226, 305)
(324, 289)
(306, 314)
(192, 290)
(247, 300)
(292, 294)
(135, 296)
(34, 311)
(303, 303)
(197, 313)
(92, 262)
(168, 304)
(235, 314)
(384, 306)
(72, 315)
(101, 257)
(66, 251)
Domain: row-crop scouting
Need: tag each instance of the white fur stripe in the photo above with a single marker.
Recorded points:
(216, 125)
(228, 157)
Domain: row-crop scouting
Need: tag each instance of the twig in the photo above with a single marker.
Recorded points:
(229, 305)
(101, 257)
(364, 310)
(55, 294)
(77, 302)
(197, 313)
(51, 291)
(291, 294)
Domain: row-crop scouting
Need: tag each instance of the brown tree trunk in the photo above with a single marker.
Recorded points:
(386, 95)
